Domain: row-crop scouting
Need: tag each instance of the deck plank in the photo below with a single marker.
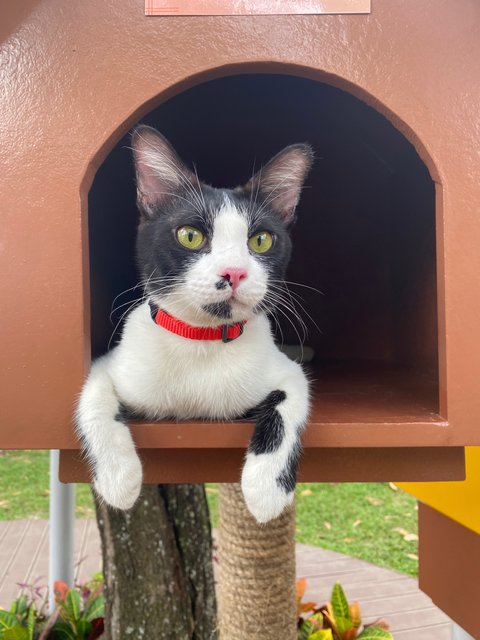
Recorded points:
(382, 593)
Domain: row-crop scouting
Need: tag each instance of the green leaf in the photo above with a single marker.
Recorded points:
(16, 633)
(95, 609)
(64, 631)
(375, 633)
(31, 621)
(7, 620)
(22, 605)
(340, 607)
(83, 628)
(305, 631)
(72, 605)
(343, 624)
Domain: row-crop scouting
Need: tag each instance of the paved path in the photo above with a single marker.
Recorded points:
(382, 593)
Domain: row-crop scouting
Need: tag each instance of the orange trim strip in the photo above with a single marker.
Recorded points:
(254, 7)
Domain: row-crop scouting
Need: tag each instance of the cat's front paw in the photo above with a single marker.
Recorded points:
(264, 495)
(120, 482)
(120, 485)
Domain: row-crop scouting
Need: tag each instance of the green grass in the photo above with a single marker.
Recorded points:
(24, 487)
(374, 522)
(369, 521)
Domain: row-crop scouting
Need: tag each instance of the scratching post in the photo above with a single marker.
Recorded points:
(257, 572)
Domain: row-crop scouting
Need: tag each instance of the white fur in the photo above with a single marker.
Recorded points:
(164, 375)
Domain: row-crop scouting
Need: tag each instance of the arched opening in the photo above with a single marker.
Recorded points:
(365, 234)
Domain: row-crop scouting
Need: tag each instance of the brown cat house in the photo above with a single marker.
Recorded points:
(388, 229)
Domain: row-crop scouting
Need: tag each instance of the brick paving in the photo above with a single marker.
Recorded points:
(382, 593)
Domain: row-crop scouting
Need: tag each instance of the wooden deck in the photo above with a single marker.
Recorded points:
(382, 593)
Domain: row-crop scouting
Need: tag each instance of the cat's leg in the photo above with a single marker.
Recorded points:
(269, 473)
(107, 441)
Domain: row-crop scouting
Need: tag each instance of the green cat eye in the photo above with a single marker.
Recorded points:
(260, 242)
(189, 237)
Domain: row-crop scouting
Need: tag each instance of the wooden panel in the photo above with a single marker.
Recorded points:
(449, 556)
(456, 500)
(69, 132)
(317, 465)
(360, 405)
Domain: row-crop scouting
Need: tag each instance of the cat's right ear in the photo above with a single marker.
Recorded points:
(160, 172)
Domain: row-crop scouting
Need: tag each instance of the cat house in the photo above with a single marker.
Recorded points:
(386, 248)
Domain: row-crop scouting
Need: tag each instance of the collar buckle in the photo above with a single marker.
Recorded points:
(225, 328)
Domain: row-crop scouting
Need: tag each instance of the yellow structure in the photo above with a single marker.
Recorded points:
(460, 501)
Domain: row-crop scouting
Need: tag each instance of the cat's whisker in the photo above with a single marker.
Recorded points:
(125, 304)
(272, 313)
(250, 203)
(279, 302)
(257, 191)
(300, 341)
(296, 301)
(288, 304)
(119, 322)
(122, 293)
(299, 284)
(200, 188)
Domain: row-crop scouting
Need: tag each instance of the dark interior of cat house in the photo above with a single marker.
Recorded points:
(363, 271)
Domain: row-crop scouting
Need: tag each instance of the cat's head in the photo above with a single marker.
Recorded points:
(211, 256)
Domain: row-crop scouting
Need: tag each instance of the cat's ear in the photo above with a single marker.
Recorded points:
(160, 172)
(279, 183)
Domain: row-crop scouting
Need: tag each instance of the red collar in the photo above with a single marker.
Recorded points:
(225, 332)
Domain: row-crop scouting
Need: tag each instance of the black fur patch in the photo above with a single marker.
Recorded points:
(153, 309)
(126, 413)
(288, 477)
(123, 414)
(269, 428)
(220, 309)
(221, 284)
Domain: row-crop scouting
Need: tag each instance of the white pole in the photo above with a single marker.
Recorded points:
(62, 520)
(460, 634)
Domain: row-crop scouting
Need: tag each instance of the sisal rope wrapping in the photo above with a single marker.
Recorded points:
(257, 572)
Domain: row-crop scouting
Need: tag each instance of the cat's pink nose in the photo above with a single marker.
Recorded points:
(233, 275)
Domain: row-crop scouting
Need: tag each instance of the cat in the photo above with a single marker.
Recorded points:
(201, 345)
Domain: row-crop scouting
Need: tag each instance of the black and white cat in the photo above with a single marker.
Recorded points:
(201, 346)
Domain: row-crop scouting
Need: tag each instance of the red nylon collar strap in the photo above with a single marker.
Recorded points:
(225, 332)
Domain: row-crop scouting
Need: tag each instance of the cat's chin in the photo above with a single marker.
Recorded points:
(227, 312)
(241, 311)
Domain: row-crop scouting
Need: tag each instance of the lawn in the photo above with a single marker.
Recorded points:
(24, 487)
(375, 522)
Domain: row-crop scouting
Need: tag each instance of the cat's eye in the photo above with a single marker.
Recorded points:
(190, 237)
(260, 242)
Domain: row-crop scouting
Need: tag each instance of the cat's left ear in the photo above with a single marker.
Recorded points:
(279, 183)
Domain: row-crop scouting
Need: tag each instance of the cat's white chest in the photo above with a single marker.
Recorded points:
(165, 375)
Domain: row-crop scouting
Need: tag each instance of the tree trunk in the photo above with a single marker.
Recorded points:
(157, 563)
(257, 572)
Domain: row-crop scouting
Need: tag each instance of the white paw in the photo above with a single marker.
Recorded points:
(118, 475)
(264, 497)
